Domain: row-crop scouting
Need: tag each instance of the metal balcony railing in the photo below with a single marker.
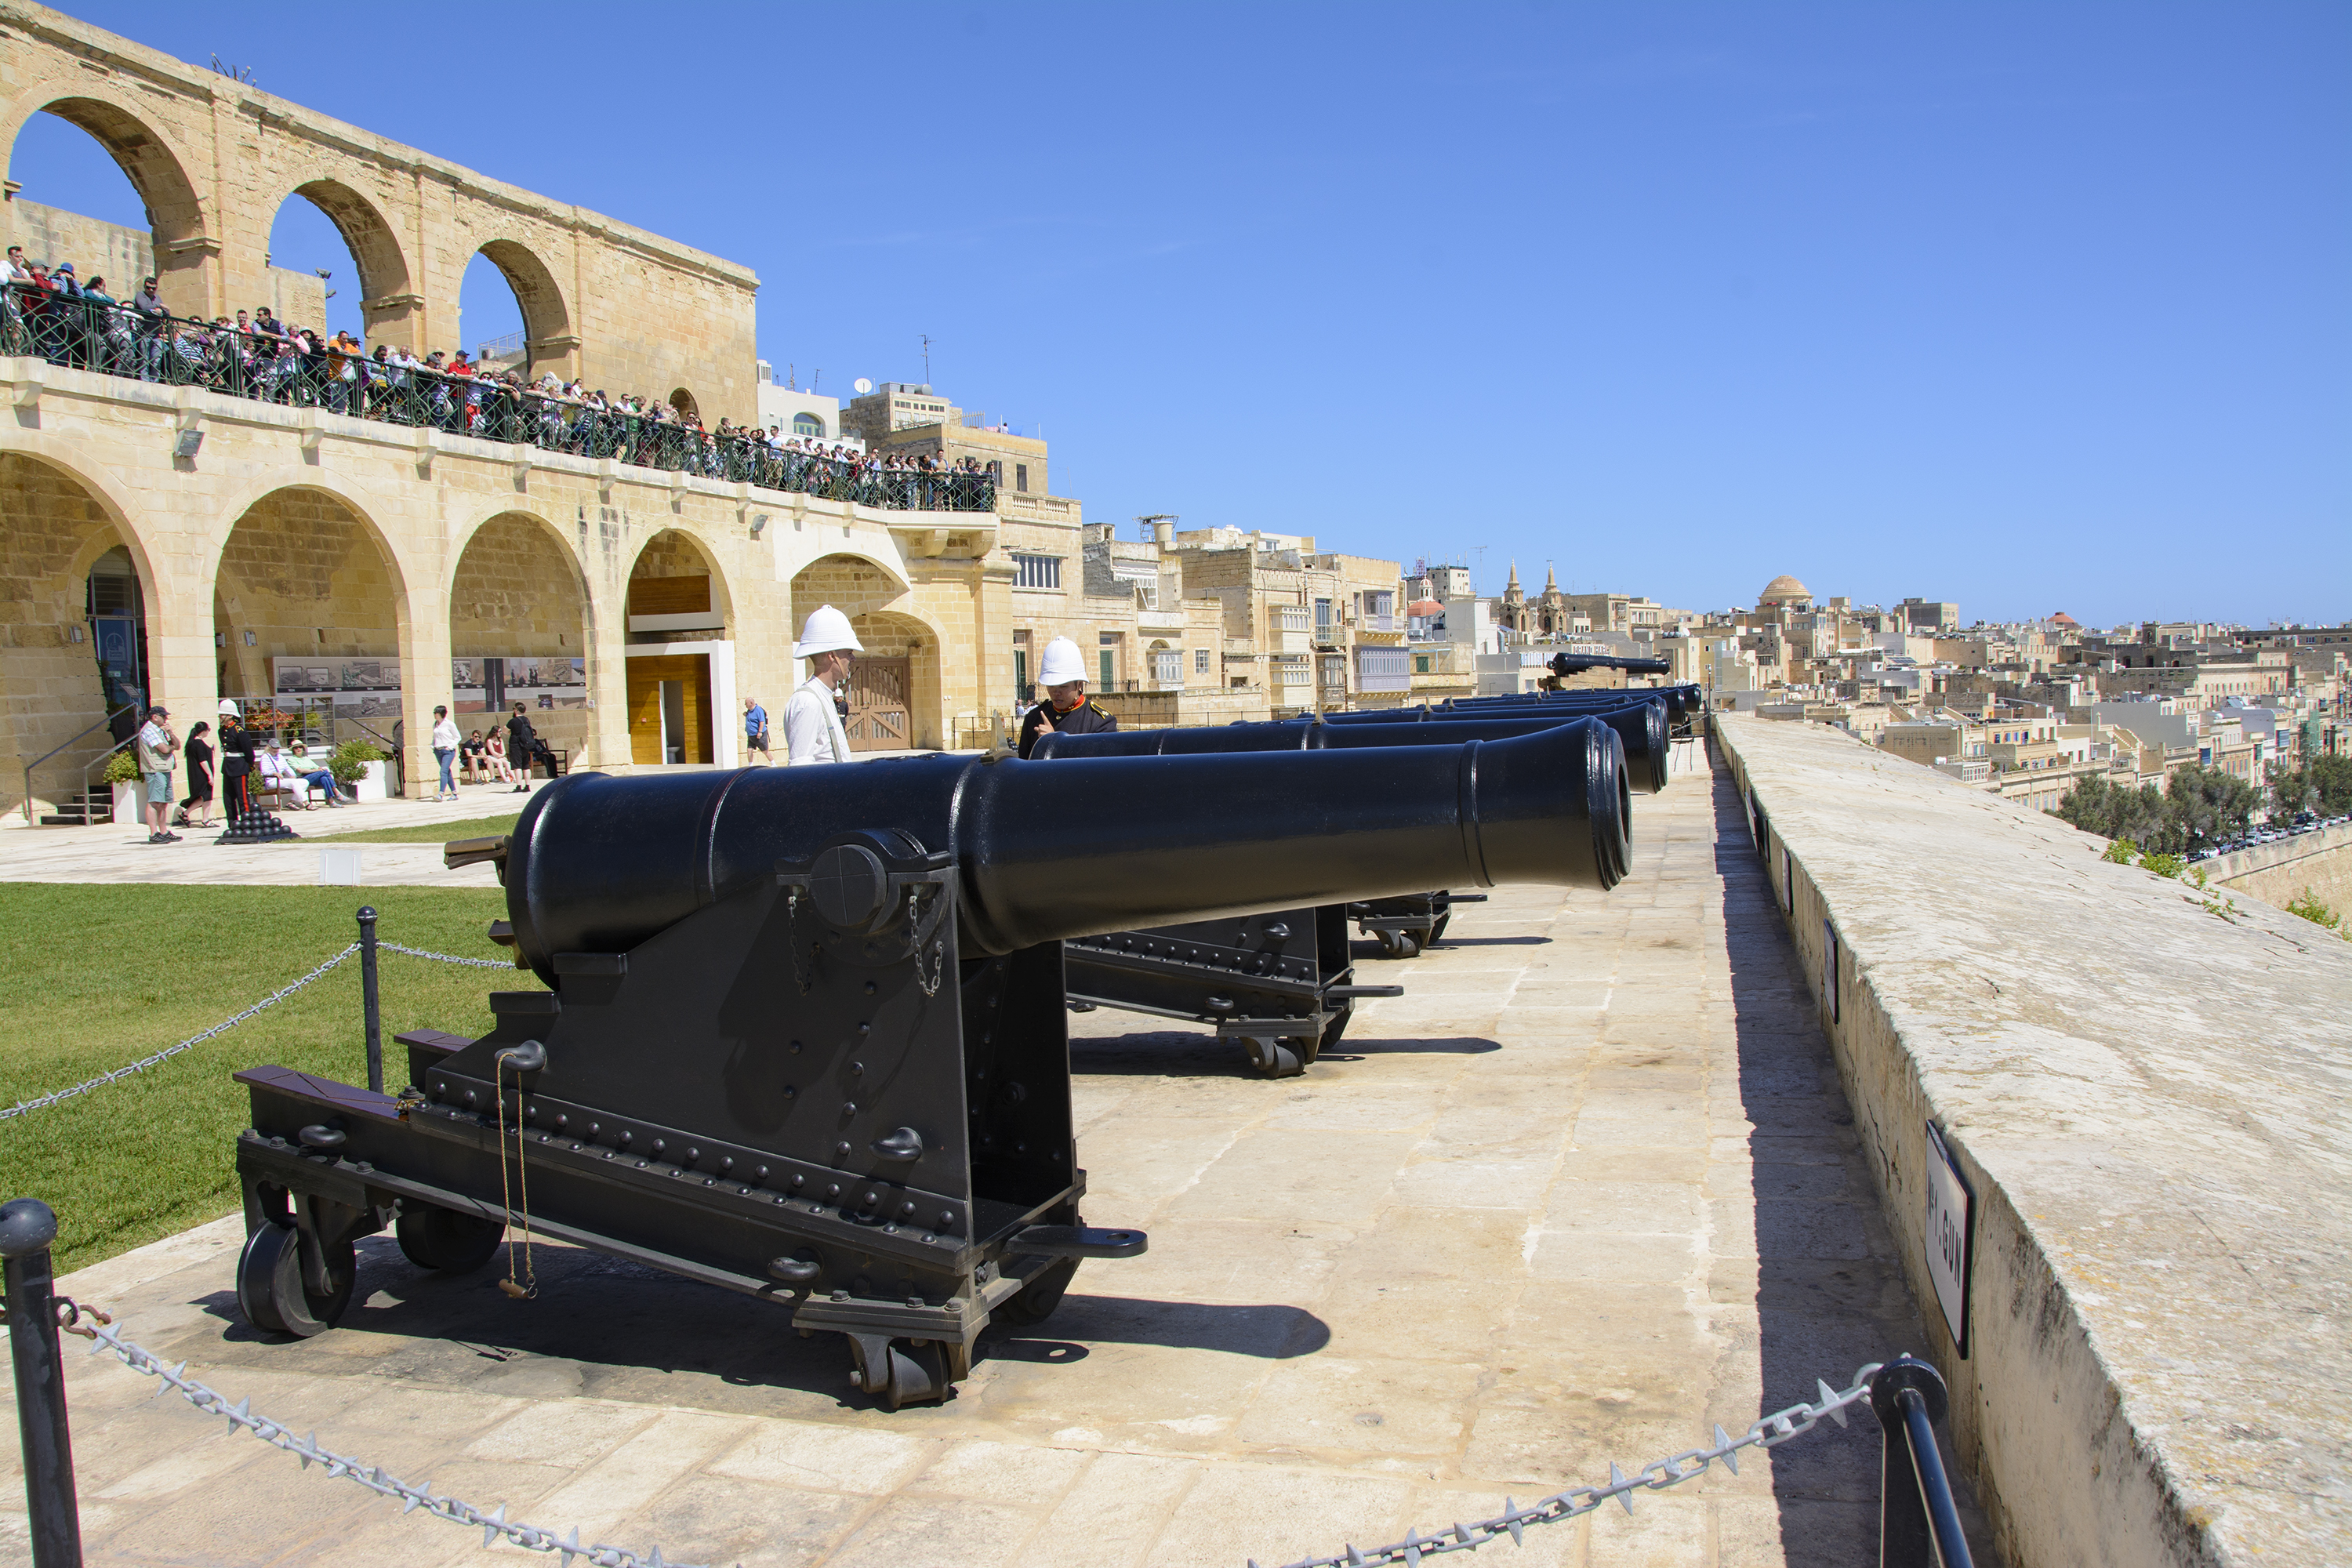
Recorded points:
(82, 333)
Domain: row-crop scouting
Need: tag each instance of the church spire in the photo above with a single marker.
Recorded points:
(1513, 585)
(1551, 579)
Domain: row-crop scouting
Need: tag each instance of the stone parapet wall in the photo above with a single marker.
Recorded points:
(2317, 863)
(2145, 1098)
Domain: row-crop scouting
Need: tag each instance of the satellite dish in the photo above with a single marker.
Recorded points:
(863, 385)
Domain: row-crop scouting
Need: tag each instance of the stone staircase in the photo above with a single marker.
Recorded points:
(96, 806)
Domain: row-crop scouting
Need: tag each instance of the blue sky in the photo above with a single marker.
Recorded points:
(2030, 308)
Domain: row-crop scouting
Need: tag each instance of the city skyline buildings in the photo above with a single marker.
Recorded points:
(2036, 312)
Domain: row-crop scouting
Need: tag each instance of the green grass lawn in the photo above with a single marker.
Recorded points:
(429, 832)
(94, 977)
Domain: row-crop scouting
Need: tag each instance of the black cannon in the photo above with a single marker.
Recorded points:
(1284, 984)
(1564, 664)
(805, 1032)
(1641, 729)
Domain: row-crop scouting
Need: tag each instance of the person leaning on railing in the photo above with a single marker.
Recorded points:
(255, 356)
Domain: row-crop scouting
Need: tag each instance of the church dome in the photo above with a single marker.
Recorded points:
(1783, 590)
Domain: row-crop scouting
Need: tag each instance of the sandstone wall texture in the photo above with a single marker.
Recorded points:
(2318, 863)
(2145, 1098)
(214, 159)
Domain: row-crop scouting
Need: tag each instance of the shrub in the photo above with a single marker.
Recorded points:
(2308, 905)
(350, 760)
(2163, 865)
(2121, 853)
(122, 767)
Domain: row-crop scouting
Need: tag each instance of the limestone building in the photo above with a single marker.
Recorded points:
(296, 555)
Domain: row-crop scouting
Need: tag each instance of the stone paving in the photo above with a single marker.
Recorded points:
(107, 853)
(1588, 1189)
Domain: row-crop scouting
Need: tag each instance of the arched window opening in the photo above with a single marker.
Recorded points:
(312, 277)
(78, 208)
(683, 402)
(808, 424)
(490, 318)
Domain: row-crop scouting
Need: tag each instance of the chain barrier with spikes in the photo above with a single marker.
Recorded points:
(1770, 1432)
(446, 957)
(99, 1331)
(43, 1101)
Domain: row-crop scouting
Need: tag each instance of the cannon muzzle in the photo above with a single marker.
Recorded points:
(599, 864)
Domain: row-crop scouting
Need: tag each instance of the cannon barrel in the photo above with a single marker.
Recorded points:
(599, 864)
(1682, 703)
(1640, 728)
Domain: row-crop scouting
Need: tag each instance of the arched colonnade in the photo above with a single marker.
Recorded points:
(214, 160)
(294, 593)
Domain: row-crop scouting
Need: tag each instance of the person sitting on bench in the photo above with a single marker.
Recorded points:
(309, 772)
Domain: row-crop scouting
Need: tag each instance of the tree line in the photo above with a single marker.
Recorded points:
(2200, 806)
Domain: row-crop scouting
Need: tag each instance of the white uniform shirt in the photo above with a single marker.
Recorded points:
(813, 731)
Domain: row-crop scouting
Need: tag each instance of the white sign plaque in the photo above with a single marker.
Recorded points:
(1950, 1208)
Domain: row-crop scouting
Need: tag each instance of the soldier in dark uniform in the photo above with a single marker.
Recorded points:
(1066, 706)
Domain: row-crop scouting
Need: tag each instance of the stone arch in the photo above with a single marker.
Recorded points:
(682, 552)
(386, 302)
(548, 336)
(517, 596)
(883, 612)
(683, 402)
(157, 170)
(305, 567)
(54, 527)
(361, 505)
(680, 675)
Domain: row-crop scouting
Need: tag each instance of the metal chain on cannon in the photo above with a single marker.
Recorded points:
(793, 937)
(915, 942)
(523, 1286)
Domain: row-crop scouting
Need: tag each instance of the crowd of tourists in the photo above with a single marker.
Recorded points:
(78, 322)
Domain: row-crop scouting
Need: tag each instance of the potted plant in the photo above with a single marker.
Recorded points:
(129, 787)
(358, 766)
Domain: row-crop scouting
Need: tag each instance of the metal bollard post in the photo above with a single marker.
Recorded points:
(26, 1228)
(370, 1007)
(1918, 1522)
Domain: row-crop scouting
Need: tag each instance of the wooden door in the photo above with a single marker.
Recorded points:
(879, 718)
(645, 676)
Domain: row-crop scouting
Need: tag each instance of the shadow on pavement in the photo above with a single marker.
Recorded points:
(610, 1327)
(1829, 1294)
(1168, 1054)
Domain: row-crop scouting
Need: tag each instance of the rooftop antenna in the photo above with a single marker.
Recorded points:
(792, 377)
(814, 376)
(927, 357)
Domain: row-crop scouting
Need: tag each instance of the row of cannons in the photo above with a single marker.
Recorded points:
(804, 1033)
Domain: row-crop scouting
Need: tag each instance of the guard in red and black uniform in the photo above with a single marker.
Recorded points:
(1066, 706)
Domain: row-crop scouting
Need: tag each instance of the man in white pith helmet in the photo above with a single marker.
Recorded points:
(1066, 706)
(813, 731)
